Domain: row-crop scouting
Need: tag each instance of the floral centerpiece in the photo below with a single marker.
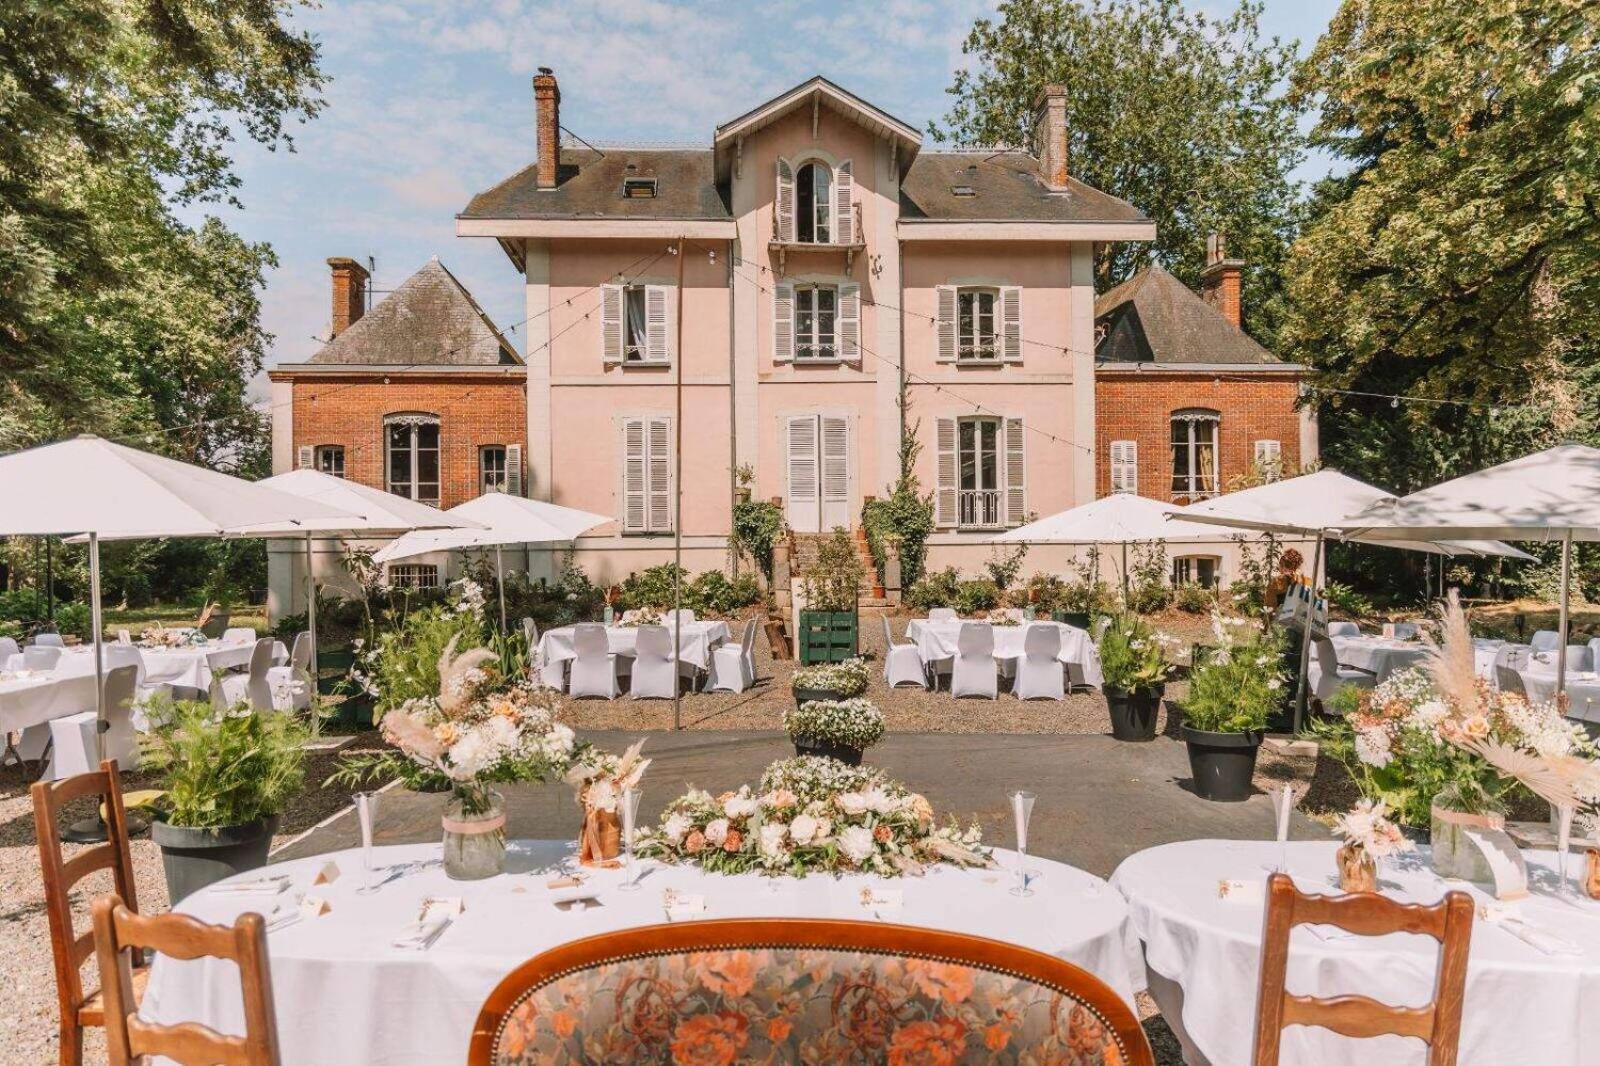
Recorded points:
(839, 729)
(812, 815)
(477, 732)
(644, 616)
(1368, 836)
(831, 681)
(1233, 691)
(160, 636)
(599, 781)
(1134, 664)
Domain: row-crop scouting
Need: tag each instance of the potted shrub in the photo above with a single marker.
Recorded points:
(1136, 671)
(838, 729)
(1232, 692)
(830, 681)
(225, 777)
(828, 624)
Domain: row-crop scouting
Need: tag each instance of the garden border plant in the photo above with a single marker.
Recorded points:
(1135, 671)
(838, 729)
(1233, 692)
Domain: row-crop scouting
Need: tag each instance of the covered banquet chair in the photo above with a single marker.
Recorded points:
(1041, 675)
(1343, 629)
(975, 672)
(1325, 677)
(733, 666)
(593, 670)
(902, 663)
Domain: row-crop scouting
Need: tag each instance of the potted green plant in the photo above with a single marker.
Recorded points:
(830, 681)
(828, 625)
(838, 729)
(224, 778)
(1135, 668)
(1232, 692)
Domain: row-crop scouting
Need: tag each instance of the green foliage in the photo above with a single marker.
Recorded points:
(975, 596)
(849, 723)
(1148, 590)
(903, 518)
(74, 619)
(1174, 110)
(942, 588)
(1239, 685)
(833, 582)
(404, 661)
(848, 678)
(1347, 601)
(1192, 597)
(221, 769)
(711, 593)
(757, 525)
(1258, 563)
(1132, 655)
(1005, 564)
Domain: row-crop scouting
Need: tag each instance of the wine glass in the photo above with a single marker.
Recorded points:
(630, 815)
(1022, 811)
(366, 810)
(1564, 814)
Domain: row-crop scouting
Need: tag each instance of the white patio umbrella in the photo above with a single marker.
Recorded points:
(1316, 505)
(88, 485)
(503, 520)
(1553, 495)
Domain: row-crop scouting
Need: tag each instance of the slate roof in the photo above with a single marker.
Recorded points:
(1155, 318)
(430, 319)
(589, 185)
(1006, 188)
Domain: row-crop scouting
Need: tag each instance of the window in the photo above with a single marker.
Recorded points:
(978, 472)
(639, 188)
(330, 459)
(635, 324)
(975, 324)
(1269, 460)
(636, 335)
(1125, 466)
(647, 474)
(1194, 453)
(1195, 570)
(815, 310)
(814, 204)
(414, 576)
(492, 468)
(413, 457)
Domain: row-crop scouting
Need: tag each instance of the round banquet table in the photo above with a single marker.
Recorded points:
(695, 646)
(1202, 951)
(186, 667)
(1379, 656)
(345, 995)
(936, 641)
(1583, 689)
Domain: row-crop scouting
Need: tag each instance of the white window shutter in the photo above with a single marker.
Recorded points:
(804, 479)
(945, 512)
(660, 475)
(947, 324)
(844, 215)
(635, 475)
(1269, 459)
(835, 459)
(1011, 323)
(514, 469)
(658, 323)
(307, 456)
(1125, 466)
(1016, 470)
(611, 323)
(848, 322)
(783, 322)
(783, 205)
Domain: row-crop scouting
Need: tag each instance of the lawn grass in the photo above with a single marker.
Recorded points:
(173, 614)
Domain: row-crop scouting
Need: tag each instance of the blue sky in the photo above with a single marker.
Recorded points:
(429, 102)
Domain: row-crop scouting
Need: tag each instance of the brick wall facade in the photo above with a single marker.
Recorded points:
(473, 409)
(1139, 407)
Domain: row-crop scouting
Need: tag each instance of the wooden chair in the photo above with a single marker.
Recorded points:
(80, 1009)
(120, 934)
(801, 990)
(1438, 1024)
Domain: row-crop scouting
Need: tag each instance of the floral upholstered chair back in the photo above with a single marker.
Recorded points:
(736, 991)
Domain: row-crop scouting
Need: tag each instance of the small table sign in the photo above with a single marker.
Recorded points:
(327, 875)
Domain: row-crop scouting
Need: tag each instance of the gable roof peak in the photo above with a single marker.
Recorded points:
(819, 92)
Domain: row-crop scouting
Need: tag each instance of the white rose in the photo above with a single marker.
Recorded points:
(772, 834)
(739, 807)
(803, 829)
(674, 827)
(603, 795)
(879, 801)
(851, 802)
(717, 832)
(1372, 748)
(856, 843)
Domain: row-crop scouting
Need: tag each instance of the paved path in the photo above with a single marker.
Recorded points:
(1099, 800)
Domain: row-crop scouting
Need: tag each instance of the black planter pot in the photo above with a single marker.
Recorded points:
(1133, 714)
(1222, 763)
(816, 695)
(195, 858)
(1080, 619)
(807, 746)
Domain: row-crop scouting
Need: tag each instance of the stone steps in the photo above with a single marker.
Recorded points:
(806, 546)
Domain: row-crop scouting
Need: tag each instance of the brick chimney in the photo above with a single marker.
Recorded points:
(349, 292)
(1221, 278)
(1050, 135)
(547, 112)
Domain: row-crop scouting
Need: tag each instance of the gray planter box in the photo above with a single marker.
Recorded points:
(195, 858)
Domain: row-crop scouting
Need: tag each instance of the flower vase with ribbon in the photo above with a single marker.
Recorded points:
(1460, 811)
(1358, 871)
(601, 840)
(599, 782)
(474, 824)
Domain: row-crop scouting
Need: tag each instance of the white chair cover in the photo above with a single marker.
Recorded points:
(902, 663)
(48, 640)
(254, 686)
(40, 657)
(733, 666)
(1343, 629)
(238, 634)
(1324, 675)
(1509, 679)
(8, 648)
(593, 670)
(655, 664)
(72, 747)
(975, 672)
(1404, 630)
(1545, 640)
(1040, 672)
(942, 614)
(291, 685)
(1013, 614)
(683, 613)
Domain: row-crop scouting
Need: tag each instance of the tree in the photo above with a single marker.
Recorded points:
(1458, 259)
(1180, 114)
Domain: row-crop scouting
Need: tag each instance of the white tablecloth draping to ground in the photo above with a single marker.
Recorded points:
(345, 996)
(1583, 689)
(186, 667)
(1380, 656)
(35, 698)
(698, 639)
(1521, 1004)
(936, 641)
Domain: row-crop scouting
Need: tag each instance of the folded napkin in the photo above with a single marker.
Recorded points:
(419, 936)
(261, 886)
(1534, 936)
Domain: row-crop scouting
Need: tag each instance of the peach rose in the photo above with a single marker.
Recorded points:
(778, 1030)
(710, 1039)
(882, 834)
(942, 980)
(997, 1036)
(940, 1042)
(728, 973)
(733, 841)
(1476, 727)
(695, 842)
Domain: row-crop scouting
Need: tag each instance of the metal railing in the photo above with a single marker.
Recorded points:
(979, 508)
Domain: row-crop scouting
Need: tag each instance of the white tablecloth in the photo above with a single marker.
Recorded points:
(187, 667)
(37, 698)
(696, 642)
(937, 640)
(1381, 656)
(345, 996)
(1583, 689)
(1522, 1006)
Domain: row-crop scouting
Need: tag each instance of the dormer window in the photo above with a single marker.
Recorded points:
(639, 188)
(963, 190)
(814, 206)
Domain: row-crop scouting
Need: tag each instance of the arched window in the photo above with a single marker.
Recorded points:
(1194, 452)
(814, 203)
(411, 441)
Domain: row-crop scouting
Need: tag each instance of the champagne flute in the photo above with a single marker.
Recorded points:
(1564, 815)
(630, 816)
(1022, 811)
(366, 810)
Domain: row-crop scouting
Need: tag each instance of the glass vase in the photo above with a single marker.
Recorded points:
(1456, 809)
(474, 825)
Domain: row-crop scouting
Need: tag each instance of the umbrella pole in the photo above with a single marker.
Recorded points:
(311, 627)
(1125, 573)
(1566, 595)
(677, 502)
(500, 578)
(1305, 638)
(93, 830)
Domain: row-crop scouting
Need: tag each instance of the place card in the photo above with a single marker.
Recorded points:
(682, 904)
(574, 898)
(1236, 891)
(327, 875)
(882, 897)
(434, 907)
(314, 906)
(570, 881)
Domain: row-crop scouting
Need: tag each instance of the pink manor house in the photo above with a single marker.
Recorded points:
(842, 284)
